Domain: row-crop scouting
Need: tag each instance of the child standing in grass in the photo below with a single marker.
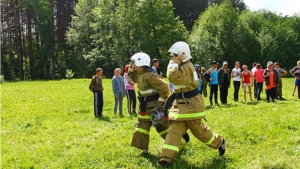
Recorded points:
(131, 96)
(119, 90)
(96, 87)
(247, 81)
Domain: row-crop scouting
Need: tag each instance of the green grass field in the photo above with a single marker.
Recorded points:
(50, 124)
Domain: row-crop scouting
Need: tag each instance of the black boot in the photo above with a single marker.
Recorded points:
(222, 148)
(186, 137)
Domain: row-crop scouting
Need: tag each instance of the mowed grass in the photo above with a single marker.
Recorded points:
(51, 124)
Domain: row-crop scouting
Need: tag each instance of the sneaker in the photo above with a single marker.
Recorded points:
(163, 163)
(145, 152)
(222, 148)
(186, 137)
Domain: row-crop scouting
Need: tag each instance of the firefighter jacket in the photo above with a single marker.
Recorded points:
(149, 85)
(184, 78)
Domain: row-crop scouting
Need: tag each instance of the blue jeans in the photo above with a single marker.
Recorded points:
(259, 87)
(118, 101)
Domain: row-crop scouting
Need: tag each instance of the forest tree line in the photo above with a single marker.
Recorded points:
(41, 39)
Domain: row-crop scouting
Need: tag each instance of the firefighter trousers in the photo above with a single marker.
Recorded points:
(177, 128)
(141, 137)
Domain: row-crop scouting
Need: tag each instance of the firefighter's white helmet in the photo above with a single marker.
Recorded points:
(181, 48)
(141, 59)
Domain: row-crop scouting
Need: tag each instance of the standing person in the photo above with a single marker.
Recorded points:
(224, 82)
(259, 79)
(119, 91)
(186, 115)
(204, 81)
(296, 73)
(199, 75)
(236, 75)
(295, 86)
(153, 92)
(252, 71)
(156, 67)
(213, 72)
(247, 81)
(272, 80)
(130, 92)
(97, 88)
(281, 72)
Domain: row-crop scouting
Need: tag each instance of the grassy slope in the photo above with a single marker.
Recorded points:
(50, 124)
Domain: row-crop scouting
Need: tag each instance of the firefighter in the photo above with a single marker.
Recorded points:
(153, 92)
(187, 106)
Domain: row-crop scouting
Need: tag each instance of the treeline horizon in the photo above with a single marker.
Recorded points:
(41, 39)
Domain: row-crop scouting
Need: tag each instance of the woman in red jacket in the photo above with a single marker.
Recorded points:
(272, 80)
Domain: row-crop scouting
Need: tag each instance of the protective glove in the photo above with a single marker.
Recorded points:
(157, 117)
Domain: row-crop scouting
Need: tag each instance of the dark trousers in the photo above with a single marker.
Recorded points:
(213, 91)
(271, 93)
(131, 101)
(236, 85)
(98, 103)
(255, 89)
(259, 87)
(224, 93)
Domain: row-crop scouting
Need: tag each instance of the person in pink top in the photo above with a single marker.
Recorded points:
(259, 78)
(247, 81)
(130, 93)
(272, 80)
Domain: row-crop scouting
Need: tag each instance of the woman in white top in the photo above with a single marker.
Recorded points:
(236, 75)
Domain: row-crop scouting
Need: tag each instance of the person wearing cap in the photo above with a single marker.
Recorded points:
(213, 82)
(97, 88)
(130, 92)
(199, 75)
(186, 106)
(271, 80)
(224, 82)
(156, 68)
(236, 76)
(281, 72)
(296, 73)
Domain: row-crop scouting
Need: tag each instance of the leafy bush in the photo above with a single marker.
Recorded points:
(69, 74)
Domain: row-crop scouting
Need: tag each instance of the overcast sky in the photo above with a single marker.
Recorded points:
(286, 7)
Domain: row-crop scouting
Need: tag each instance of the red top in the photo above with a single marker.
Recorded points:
(259, 75)
(246, 77)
